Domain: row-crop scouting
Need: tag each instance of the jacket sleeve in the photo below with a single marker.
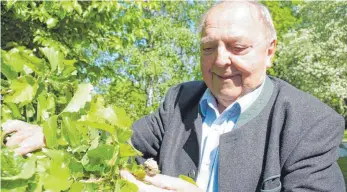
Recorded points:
(149, 130)
(312, 165)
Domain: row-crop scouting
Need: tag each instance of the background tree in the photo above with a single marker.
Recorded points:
(313, 55)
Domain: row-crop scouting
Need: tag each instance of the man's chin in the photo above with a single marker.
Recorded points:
(228, 96)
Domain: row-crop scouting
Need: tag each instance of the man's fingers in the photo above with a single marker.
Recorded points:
(172, 183)
(142, 186)
(14, 125)
(17, 138)
(29, 144)
(23, 150)
(164, 181)
(128, 176)
(156, 181)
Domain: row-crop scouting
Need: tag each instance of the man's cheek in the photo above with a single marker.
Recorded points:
(242, 65)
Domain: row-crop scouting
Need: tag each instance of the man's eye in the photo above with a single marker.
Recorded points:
(207, 50)
(239, 49)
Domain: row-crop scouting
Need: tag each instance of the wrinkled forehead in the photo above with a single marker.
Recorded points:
(234, 18)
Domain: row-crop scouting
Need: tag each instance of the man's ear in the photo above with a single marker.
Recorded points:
(271, 53)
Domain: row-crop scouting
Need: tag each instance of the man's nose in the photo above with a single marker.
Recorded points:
(223, 57)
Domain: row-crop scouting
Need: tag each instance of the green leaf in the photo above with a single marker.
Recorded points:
(21, 59)
(94, 161)
(44, 104)
(104, 149)
(126, 150)
(13, 59)
(15, 111)
(56, 178)
(122, 119)
(50, 131)
(188, 179)
(76, 168)
(125, 186)
(124, 134)
(23, 90)
(56, 155)
(140, 174)
(11, 163)
(80, 98)
(51, 22)
(68, 68)
(19, 185)
(8, 71)
(95, 125)
(54, 56)
(98, 113)
(68, 6)
(69, 131)
(78, 7)
(28, 170)
(76, 187)
(29, 111)
(56, 174)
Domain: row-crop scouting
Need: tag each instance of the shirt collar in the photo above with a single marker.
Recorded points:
(208, 100)
(247, 100)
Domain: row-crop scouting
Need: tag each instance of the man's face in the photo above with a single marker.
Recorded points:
(234, 52)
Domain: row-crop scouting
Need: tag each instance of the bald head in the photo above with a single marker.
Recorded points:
(251, 12)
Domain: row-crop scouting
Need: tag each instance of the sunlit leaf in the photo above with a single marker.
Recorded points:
(69, 131)
(28, 170)
(125, 186)
(51, 22)
(76, 187)
(11, 164)
(8, 72)
(23, 90)
(124, 134)
(93, 161)
(126, 150)
(13, 59)
(54, 56)
(80, 98)
(57, 177)
(50, 131)
(188, 179)
(101, 126)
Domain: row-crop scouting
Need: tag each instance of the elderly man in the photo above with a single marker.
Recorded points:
(240, 130)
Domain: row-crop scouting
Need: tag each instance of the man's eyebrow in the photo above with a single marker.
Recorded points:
(206, 40)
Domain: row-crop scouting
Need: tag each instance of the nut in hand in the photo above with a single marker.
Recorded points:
(151, 167)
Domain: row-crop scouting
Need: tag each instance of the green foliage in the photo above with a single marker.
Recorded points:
(166, 55)
(139, 48)
(87, 140)
(313, 56)
(284, 15)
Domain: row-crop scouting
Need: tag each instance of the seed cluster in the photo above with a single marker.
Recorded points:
(151, 167)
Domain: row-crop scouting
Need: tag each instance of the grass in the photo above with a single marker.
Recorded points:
(342, 161)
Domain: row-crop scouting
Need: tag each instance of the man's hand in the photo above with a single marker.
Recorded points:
(160, 183)
(26, 137)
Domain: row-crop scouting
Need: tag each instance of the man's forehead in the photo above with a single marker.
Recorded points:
(241, 13)
(227, 32)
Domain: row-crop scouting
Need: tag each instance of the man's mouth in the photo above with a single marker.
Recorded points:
(225, 77)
